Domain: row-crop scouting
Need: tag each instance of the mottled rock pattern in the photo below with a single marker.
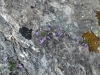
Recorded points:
(63, 58)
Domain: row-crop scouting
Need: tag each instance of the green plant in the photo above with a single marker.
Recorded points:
(49, 33)
(82, 42)
(11, 65)
(42, 33)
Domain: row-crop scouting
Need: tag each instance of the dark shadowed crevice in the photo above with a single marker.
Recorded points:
(25, 32)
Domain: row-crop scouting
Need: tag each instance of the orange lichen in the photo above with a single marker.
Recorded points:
(98, 16)
(92, 41)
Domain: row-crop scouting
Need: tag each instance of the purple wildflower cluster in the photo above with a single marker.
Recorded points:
(7, 64)
(49, 33)
(83, 42)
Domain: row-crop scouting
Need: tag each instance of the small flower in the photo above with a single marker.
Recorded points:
(20, 66)
(5, 58)
(37, 33)
(40, 29)
(6, 65)
(42, 40)
(83, 44)
(60, 29)
(48, 37)
(86, 45)
(77, 42)
(77, 38)
(54, 34)
(59, 33)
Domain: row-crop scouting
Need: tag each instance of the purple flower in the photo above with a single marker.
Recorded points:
(60, 29)
(42, 40)
(20, 66)
(77, 38)
(48, 37)
(83, 44)
(5, 58)
(53, 34)
(86, 45)
(6, 65)
(37, 33)
(59, 33)
(77, 42)
(40, 29)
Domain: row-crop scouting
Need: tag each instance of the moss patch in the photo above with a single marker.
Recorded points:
(98, 17)
(92, 41)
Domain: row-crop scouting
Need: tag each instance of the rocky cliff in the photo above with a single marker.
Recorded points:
(20, 50)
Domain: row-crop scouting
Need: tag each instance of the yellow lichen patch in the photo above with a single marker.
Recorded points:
(98, 16)
(92, 41)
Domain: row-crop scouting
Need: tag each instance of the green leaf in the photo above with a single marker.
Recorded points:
(51, 31)
(12, 64)
(43, 34)
(86, 41)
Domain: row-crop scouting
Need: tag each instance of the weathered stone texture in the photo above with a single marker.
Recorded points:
(62, 57)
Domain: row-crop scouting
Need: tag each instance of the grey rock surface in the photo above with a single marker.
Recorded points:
(64, 57)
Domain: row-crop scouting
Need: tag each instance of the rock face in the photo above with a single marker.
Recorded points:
(20, 53)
